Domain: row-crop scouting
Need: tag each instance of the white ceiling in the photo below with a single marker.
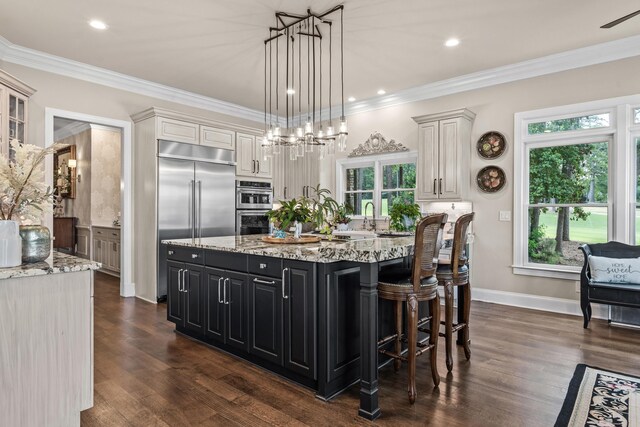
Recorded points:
(215, 47)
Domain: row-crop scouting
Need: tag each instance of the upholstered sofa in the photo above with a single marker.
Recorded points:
(624, 294)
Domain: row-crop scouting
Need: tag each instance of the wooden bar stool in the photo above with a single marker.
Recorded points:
(410, 285)
(456, 274)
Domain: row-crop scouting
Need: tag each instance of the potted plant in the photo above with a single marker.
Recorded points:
(288, 214)
(403, 215)
(322, 207)
(23, 199)
(341, 218)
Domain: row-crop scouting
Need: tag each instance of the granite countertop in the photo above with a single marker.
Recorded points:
(59, 263)
(365, 250)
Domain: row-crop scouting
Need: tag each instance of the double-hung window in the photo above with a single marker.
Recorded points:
(574, 169)
(376, 182)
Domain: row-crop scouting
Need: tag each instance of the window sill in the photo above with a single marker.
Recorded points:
(546, 272)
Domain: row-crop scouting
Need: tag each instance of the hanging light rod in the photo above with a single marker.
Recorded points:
(299, 64)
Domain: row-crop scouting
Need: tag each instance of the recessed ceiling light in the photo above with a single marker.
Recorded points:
(351, 99)
(452, 42)
(382, 92)
(97, 24)
(291, 91)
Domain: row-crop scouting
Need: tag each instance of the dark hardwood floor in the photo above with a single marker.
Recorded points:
(521, 364)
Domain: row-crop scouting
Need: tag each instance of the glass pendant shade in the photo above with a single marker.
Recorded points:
(300, 149)
(308, 128)
(270, 134)
(330, 131)
(331, 148)
(299, 132)
(292, 153)
(276, 149)
(277, 132)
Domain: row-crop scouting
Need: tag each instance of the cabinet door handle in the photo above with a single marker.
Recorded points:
(285, 192)
(219, 300)
(225, 291)
(257, 166)
(184, 281)
(434, 186)
(264, 282)
(440, 186)
(284, 271)
(179, 281)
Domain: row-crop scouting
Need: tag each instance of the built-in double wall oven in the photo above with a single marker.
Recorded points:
(253, 200)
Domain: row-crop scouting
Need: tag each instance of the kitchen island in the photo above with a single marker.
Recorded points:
(307, 312)
(46, 341)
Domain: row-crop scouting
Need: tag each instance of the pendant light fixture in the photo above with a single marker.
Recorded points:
(302, 53)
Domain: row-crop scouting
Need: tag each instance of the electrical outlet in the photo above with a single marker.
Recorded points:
(505, 216)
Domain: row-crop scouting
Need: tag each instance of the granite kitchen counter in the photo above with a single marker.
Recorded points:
(369, 250)
(58, 263)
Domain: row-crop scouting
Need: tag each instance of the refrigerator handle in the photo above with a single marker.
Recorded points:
(199, 209)
(192, 209)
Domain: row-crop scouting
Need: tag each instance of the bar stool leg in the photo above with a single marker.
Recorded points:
(467, 308)
(398, 344)
(434, 310)
(412, 335)
(448, 322)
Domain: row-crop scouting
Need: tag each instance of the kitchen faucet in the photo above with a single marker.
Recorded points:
(373, 219)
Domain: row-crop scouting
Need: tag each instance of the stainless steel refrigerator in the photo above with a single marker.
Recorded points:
(196, 196)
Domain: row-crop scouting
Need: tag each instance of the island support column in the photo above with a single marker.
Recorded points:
(369, 341)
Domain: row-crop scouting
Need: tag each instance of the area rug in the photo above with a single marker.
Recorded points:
(601, 398)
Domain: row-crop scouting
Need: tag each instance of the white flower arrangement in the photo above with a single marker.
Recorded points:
(24, 197)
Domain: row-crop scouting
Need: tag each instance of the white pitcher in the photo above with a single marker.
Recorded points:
(10, 244)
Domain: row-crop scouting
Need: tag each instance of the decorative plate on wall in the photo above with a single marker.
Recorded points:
(491, 145)
(491, 179)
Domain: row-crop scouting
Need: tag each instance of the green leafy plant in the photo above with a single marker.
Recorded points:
(341, 214)
(290, 212)
(322, 207)
(542, 248)
(403, 215)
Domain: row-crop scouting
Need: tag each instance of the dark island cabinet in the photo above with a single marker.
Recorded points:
(185, 301)
(265, 312)
(226, 317)
(300, 328)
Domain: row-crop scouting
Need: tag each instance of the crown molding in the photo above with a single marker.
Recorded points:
(564, 61)
(16, 54)
(71, 129)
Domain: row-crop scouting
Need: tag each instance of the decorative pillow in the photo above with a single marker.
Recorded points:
(614, 270)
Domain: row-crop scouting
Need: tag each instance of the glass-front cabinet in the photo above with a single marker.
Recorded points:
(14, 99)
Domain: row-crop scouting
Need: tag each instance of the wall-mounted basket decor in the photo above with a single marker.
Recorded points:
(491, 179)
(491, 145)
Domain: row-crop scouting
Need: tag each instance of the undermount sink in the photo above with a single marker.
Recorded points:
(356, 234)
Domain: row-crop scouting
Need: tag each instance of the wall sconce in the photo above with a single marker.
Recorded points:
(73, 163)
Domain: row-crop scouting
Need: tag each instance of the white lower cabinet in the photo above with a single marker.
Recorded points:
(106, 248)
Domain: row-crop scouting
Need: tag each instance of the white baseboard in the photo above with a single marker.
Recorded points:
(147, 300)
(535, 302)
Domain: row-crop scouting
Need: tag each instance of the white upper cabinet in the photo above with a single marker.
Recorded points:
(178, 130)
(444, 145)
(293, 179)
(219, 138)
(14, 111)
(249, 158)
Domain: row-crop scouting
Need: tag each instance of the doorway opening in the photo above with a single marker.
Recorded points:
(90, 175)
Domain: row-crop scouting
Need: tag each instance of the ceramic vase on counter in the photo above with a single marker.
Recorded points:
(36, 243)
(10, 244)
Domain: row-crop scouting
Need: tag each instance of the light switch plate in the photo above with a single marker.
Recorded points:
(505, 215)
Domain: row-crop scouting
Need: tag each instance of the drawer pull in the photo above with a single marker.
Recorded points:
(171, 252)
(194, 256)
(263, 266)
(114, 234)
(264, 282)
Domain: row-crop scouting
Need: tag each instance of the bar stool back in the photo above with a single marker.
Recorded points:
(409, 286)
(457, 274)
